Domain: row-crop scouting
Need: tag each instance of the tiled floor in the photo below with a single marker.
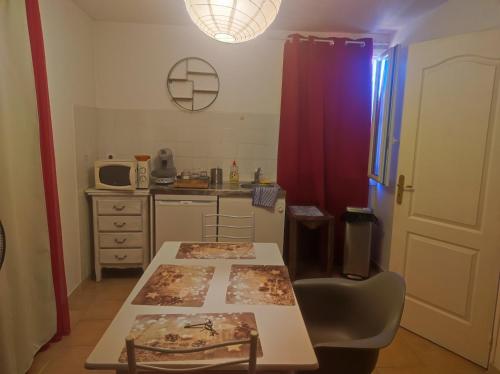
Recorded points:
(93, 306)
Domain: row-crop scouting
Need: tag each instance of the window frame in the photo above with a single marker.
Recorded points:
(384, 124)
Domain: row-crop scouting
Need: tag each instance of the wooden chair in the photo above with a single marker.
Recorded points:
(226, 227)
(133, 366)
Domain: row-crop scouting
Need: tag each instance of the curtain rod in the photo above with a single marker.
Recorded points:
(332, 42)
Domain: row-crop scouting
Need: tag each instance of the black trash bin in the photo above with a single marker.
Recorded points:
(358, 242)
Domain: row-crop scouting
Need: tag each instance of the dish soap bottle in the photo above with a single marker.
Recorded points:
(234, 174)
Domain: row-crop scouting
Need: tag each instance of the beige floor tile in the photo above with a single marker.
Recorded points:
(75, 316)
(416, 342)
(443, 361)
(105, 309)
(86, 333)
(115, 291)
(71, 361)
(42, 359)
(81, 298)
(398, 354)
(437, 358)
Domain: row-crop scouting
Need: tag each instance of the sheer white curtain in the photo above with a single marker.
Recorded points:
(27, 307)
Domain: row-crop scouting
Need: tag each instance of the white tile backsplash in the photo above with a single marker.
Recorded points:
(198, 140)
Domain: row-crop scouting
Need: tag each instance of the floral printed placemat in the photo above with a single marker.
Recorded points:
(259, 284)
(216, 250)
(183, 331)
(176, 285)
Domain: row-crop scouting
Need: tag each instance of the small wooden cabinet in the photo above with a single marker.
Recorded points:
(121, 228)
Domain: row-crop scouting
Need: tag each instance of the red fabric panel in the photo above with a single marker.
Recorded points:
(48, 167)
(325, 125)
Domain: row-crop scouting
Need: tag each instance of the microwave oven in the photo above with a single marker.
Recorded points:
(115, 174)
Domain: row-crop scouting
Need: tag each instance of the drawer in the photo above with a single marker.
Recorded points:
(121, 256)
(119, 206)
(119, 223)
(121, 240)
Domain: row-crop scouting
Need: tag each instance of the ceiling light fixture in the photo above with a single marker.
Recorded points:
(233, 21)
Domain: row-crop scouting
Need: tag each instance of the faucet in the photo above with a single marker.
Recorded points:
(257, 175)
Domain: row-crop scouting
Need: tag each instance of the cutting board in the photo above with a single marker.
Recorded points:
(191, 183)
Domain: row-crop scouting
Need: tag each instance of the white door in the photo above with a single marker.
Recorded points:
(446, 231)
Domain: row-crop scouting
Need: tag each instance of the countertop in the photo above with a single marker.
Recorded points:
(226, 189)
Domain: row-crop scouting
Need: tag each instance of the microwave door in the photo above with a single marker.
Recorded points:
(117, 177)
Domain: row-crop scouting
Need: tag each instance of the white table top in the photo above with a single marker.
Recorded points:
(282, 332)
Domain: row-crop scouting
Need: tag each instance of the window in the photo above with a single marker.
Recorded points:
(382, 87)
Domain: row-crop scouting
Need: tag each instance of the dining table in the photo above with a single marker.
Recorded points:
(229, 288)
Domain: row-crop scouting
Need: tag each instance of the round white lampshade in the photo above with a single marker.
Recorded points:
(233, 21)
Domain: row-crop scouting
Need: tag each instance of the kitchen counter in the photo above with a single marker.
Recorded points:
(137, 192)
(226, 190)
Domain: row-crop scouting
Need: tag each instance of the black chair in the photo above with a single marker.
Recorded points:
(349, 321)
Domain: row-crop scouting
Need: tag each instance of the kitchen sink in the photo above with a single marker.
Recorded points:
(252, 185)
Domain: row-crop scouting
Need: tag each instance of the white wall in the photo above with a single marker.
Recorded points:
(68, 38)
(133, 60)
(452, 18)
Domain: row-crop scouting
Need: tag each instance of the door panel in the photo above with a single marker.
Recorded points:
(455, 127)
(432, 262)
(446, 236)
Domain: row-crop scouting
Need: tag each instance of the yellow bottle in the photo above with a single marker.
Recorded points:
(234, 174)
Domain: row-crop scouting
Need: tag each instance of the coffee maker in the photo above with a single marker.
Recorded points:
(164, 171)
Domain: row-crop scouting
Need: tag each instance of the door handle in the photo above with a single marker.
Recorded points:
(401, 187)
(3, 244)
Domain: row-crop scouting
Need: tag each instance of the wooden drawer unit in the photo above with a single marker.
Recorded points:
(119, 207)
(120, 240)
(121, 256)
(119, 223)
(121, 229)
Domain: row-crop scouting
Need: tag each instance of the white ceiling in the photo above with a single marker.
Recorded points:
(347, 16)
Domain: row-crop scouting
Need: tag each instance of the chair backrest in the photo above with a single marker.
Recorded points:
(384, 296)
(228, 228)
(133, 366)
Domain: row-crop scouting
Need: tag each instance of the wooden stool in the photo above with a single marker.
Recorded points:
(311, 217)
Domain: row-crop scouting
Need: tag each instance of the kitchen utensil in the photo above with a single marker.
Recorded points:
(216, 176)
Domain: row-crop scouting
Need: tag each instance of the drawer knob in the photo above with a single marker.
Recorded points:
(120, 257)
(118, 207)
(120, 241)
(119, 224)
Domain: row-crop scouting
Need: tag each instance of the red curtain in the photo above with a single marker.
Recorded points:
(324, 137)
(48, 167)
